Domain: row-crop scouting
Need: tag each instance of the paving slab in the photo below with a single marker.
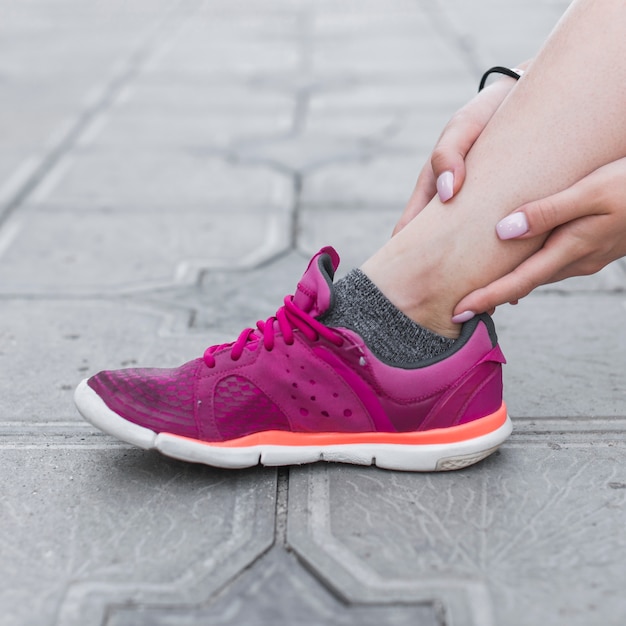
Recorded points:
(201, 58)
(51, 59)
(533, 535)
(510, 33)
(10, 160)
(362, 125)
(54, 344)
(567, 355)
(122, 527)
(120, 250)
(401, 93)
(385, 180)
(221, 130)
(176, 95)
(356, 233)
(167, 170)
(102, 179)
(278, 590)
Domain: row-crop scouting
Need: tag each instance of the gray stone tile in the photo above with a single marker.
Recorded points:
(497, 33)
(365, 55)
(422, 126)
(357, 125)
(66, 53)
(566, 355)
(48, 346)
(612, 278)
(301, 153)
(243, 20)
(355, 233)
(210, 130)
(245, 297)
(533, 535)
(180, 96)
(385, 93)
(203, 57)
(52, 58)
(153, 178)
(322, 139)
(385, 181)
(91, 251)
(394, 131)
(278, 590)
(84, 530)
(32, 125)
(10, 162)
(127, 255)
(381, 22)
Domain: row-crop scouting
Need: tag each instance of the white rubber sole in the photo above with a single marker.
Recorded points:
(415, 458)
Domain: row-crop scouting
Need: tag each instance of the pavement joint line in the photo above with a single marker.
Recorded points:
(93, 130)
(583, 432)
(185, 276)
(186, 273)
(99, 99)
(466, 601)
(282, 507)
(19, 179)
(8, 235)
(451, 31)
(89, 600)
(112, 534)
(53, 176)
(296, 220)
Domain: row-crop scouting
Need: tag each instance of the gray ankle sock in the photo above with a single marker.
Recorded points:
(393, 337)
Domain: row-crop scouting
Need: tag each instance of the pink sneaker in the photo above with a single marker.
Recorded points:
(295, 391)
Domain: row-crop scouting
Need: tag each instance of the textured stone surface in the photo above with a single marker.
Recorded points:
(166, 170)
(48, 347)
(531, 536)
(57, 61)
(381, 183)
(90, 528)
(221, 129)
(172, 178)
(567, 355)
(175, 96)
(121, 251)
(278, 590)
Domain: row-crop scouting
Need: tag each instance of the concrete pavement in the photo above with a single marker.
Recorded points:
(166, 169)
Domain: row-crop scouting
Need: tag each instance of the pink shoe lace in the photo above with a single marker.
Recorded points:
(289, 317)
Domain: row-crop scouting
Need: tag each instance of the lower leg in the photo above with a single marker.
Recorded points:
(562, 121)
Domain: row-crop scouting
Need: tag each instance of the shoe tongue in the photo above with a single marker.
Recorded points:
(314, 291)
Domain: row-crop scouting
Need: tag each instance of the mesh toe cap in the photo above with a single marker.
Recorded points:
(159, 399)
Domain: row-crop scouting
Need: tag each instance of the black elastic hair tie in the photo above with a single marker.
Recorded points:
(498, 69)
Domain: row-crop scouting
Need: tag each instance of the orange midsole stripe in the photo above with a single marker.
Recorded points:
(453, 434)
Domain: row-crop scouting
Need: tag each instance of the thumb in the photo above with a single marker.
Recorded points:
(542, 216)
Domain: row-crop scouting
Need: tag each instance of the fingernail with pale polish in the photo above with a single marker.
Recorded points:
(460, 318)
(445, 186)
(512, 226)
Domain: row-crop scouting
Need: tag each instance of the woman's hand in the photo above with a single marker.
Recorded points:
(444, 173)
(587, 230)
